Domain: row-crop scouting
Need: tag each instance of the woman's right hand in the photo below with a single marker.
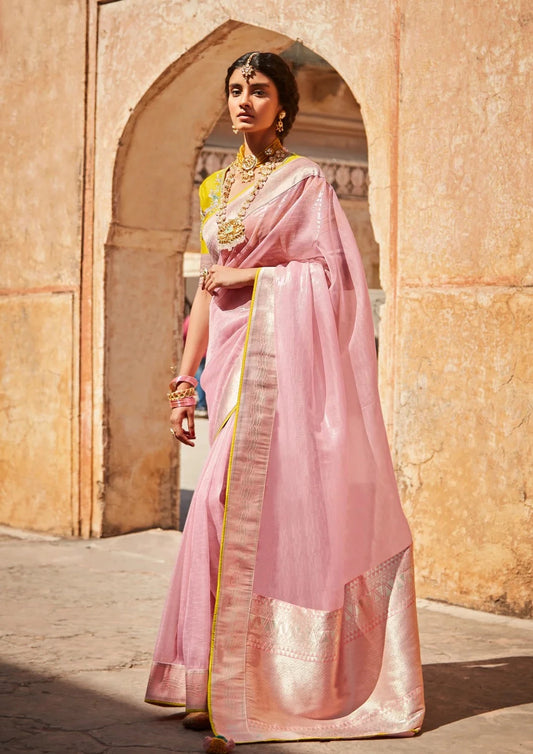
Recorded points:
(177, 417)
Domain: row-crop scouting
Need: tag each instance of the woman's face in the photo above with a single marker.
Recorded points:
(253, 106)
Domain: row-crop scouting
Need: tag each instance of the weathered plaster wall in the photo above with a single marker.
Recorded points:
(41, 163)
(463, 366)
(37, 479)
(42, 77)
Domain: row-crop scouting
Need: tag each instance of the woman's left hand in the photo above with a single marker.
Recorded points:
(227, 277)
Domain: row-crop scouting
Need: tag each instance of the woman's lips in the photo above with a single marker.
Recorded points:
(244, 116)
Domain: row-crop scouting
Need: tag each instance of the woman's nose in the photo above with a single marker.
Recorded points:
(244, 99)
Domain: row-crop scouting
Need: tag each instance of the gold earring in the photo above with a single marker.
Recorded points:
(279, 124)
(235, 129)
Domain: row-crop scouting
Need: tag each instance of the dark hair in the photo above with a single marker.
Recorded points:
(278, 70)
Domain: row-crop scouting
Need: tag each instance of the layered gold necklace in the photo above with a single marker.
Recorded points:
(231, 232)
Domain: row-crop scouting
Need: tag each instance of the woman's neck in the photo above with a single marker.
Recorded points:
(257, 142)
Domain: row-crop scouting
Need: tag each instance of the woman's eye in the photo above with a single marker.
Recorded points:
(235, 92)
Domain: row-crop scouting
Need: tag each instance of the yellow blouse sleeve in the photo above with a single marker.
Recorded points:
(209, 196)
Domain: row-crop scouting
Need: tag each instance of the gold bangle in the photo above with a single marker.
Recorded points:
(186, 391)
(178, 394)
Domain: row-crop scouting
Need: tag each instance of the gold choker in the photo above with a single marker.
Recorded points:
(247, 163)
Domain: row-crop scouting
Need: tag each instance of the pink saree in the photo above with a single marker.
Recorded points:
(291, 612)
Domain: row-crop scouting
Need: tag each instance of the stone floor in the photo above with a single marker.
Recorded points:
(78, 625)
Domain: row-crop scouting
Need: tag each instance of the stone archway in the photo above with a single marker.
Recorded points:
(148, 233)
(153, 176)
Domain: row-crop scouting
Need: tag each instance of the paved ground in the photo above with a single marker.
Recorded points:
(78, 625)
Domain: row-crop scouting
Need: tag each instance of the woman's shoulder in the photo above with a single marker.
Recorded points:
(302, 167)
(302, 173)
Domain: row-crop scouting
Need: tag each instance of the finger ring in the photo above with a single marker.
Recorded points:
(172, 432)
(205, 273)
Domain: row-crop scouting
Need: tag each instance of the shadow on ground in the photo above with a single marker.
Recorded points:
(43, 713)
(457, 690)
(46, 714)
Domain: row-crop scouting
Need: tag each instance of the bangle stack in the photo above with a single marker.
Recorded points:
(182, 398)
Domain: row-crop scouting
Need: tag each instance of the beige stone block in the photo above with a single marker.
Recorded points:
(42, 80)
(464, 443)
(465, 142)
(37, 379)
(143, 336)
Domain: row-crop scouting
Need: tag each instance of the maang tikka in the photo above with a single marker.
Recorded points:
(248, 71)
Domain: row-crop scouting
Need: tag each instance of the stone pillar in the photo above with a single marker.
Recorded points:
(463, 360)
(144, 292)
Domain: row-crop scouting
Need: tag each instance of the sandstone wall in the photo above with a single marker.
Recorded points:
(41, 166)
(463, 361)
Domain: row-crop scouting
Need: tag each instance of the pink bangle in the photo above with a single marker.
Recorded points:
(182, 378)
(184, 402)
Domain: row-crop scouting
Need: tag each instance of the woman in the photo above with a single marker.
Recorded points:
(291, 613)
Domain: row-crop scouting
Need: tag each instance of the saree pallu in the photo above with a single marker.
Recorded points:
(293, 599)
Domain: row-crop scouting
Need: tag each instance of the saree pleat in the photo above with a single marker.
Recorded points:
(297, 541)
(179, 671)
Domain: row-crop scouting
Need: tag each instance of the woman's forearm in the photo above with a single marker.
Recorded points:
(197, 334)
(228, 277)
